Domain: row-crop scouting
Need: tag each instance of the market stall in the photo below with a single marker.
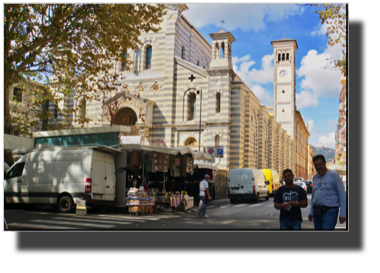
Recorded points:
(162, 172)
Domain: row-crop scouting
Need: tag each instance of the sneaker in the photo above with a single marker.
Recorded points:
(206, 216)
(200, 214)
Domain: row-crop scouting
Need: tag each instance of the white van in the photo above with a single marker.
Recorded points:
(61, 176)
(247, 184)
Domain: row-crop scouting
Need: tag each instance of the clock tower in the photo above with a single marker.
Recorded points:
(284, 88)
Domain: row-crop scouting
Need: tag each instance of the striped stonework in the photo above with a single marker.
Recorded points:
(188, 76)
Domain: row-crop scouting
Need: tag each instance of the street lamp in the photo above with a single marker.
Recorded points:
(200, 119)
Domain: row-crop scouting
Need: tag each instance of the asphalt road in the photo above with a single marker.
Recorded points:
(222, 216)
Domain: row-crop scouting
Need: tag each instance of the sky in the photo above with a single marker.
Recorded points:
(254, 26)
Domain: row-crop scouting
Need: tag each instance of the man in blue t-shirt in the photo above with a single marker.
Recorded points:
(289, 199)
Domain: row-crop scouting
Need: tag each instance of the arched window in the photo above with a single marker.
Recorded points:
(55, 111)
(283, 56)
(217, 110)
(191, 106)
(124, 64)
(183, 53)
(279, 57)
(217, 140)
(287, 56)
(217, 53)
(197, 63)
(82, 110)
(191, 142)
(222, 48)
(148, 59)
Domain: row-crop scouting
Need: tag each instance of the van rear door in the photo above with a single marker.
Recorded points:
(246, 180)
(234, 181)
(98, 175)
(110, 178)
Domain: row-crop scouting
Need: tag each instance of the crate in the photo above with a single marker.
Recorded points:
(81, 211)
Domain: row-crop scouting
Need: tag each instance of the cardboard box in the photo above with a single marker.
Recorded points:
(80, 211)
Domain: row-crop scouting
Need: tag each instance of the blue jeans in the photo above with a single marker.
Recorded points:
(202, 211)
(286, 224)
(328, 220)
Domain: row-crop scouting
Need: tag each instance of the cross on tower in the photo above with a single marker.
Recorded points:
(192, 77)
(222, 24)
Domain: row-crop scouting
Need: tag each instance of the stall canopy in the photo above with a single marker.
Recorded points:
(15, 142)
(202, 165)
(337, 168)
(165, 150)
(202, 156)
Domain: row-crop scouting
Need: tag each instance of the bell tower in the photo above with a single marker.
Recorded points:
(221, 58)
(284, 89)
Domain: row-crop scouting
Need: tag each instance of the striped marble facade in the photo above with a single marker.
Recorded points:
(184, 69)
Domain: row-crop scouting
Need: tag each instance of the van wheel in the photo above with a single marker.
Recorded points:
(267, 198)
(232, 201)
(65, 204)
(257, 199)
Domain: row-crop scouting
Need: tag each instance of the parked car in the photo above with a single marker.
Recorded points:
(298, 179)
(309, 185)
(302, 185)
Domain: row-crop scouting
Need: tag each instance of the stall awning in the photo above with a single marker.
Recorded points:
(14, 142)
(58, 148)
(165, 150)
(202, 156)
(202, 165)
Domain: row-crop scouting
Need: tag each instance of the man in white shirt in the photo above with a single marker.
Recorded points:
(328, 196)
(203, 190)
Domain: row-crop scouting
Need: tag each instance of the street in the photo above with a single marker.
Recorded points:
(222, 215)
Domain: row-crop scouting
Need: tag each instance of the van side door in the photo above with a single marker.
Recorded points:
(110, 178)
(14, 189)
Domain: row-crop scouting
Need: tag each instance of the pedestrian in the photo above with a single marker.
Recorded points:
(327, 197)
(203, 190)
(289, 199)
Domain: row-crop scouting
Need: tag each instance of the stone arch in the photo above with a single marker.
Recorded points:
(186, 103)
(125, 116)
(143, 51)
(190, 141)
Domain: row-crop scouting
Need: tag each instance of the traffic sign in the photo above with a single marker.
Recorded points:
(211, 151)
(219, 151)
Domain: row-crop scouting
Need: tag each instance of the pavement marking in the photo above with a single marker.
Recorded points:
(111, 218)
(39, 226)
(240, 205)
(94, 221)
(255, 205)
(71, 223)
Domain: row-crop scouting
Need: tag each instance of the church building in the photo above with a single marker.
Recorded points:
(186, 85)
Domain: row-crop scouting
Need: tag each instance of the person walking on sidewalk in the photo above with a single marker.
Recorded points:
(289, 199)
(327, 197)
(203, 190)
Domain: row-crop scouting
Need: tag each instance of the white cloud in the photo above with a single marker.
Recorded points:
(306, 99)
(327, 141)
(236, 60)
(250, 77)
(263, 96)
(319, 77)
(253, 77)
(250, 16)
(310, 125)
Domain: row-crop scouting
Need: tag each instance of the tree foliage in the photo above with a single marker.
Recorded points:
(65, 48)
(334, 15)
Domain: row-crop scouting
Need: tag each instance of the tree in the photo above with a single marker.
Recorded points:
(69, 45)
(334, 15)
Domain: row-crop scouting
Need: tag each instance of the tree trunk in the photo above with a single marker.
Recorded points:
(7, 115)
